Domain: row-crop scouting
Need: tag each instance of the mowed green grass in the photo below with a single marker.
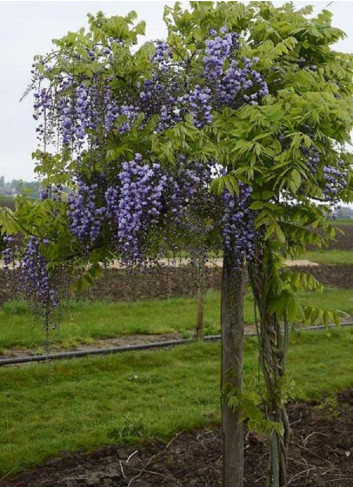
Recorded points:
(329, 257)
(132, 397)
(347, 222)
(330, 299)
(87, 322)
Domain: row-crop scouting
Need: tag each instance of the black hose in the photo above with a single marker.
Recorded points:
(101, 351)
(120, 349)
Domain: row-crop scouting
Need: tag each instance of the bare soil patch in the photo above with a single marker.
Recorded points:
(321, 454)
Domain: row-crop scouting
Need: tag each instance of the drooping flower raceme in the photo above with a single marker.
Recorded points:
(334, 176)
(34, 276)
(238, 221)
(31, 267)
(136, 207)
(85, 217)
(236, 84)
(335, 179)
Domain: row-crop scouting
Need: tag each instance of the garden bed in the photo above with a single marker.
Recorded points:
(321, 454)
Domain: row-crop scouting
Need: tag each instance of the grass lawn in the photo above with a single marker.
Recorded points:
(334, 257)
(89, 321)
(347, 222)
(331, 298)
(85, 403)
(86, 322)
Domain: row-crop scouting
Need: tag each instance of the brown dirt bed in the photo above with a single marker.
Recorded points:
(321, 454)
(163, 283)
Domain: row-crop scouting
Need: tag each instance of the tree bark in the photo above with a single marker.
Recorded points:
(232, 370)
(201, 290)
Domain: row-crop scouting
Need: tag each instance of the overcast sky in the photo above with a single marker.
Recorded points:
(27, 28)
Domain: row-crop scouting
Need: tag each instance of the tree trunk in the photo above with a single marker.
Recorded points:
(201, 290)
(232, 370)
(272, 356)
(169, 283)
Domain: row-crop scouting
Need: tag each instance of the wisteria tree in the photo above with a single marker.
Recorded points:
(230, 135)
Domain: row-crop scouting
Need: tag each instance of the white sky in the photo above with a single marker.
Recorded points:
(27, 28)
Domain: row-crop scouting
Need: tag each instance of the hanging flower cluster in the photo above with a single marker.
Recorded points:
(135, 210)
(85, 218)
(239, 231)
(239, 82)
(34, 281)
(335, 177)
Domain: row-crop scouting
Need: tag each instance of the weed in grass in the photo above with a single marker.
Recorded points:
(129, 432)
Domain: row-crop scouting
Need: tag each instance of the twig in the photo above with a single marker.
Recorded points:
(130, 456)
(157, 473)
(311, 434)
(122, 469)
(315, 454)
(301, 463)
(170, 442)
(257, 480)
(344, 478)
(299, 473)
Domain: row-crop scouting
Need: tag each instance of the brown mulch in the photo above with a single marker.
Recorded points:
(321, 454)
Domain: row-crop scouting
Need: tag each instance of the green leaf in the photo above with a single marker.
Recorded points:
(295, 180)
(217, 186)
(229, 181)
(262, 195)
(257, 205)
